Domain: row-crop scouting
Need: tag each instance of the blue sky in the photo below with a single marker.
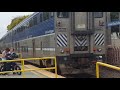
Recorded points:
(5, 19)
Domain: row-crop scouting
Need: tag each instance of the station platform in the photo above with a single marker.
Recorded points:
(30, 71)
(32, 74)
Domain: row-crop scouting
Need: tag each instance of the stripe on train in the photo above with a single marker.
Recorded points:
(81, 41)
(62, 40)
(99, 39)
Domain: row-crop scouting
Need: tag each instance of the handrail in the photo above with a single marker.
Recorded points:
(26, 59)
(105, 65)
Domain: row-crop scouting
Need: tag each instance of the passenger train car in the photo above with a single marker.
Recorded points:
(75, 38)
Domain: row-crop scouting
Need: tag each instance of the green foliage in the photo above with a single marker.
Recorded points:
(16, 21)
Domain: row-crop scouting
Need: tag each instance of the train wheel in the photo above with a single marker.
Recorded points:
(16, 67)
(2, 70)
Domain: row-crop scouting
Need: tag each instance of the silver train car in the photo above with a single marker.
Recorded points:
(77, 39)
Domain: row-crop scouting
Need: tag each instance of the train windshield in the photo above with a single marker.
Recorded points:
(62, 14)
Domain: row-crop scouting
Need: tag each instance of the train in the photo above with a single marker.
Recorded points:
(76, 39)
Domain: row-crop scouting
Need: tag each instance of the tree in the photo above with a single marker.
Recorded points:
(16, 21)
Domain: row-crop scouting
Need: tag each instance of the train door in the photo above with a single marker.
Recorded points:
(81, 42)
(81, 35)
(74, 41)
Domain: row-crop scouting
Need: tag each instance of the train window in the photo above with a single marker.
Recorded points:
(62, 14)
(47, 15)
(35, 20)
(26, 48)
(51, 14)
(13, 32)
(30, 23)
(27, 25)
(98, 14)
(44, 16)
(41, 18)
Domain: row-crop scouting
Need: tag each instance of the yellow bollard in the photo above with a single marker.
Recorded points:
(97, 70)
(55, 67)
(23, 69)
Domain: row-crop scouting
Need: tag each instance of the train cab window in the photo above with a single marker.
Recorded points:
(25, 25)
(19, 29)
(26, 48)
(98, 14)
(62, 14)
(23, 28)
(15, 31)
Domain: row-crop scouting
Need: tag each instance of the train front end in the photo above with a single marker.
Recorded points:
(81, 39)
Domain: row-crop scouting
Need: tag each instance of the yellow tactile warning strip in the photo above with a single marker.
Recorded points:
(44, 72)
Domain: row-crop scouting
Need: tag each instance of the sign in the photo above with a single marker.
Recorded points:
(114, 23)
(81, 26)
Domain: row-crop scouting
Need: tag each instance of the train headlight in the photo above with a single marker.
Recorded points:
(99, 49)
(100, 58)
(62, 51)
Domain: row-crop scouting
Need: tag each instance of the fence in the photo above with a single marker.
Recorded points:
(25, 70)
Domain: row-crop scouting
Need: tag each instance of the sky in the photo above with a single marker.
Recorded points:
(6, 18)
